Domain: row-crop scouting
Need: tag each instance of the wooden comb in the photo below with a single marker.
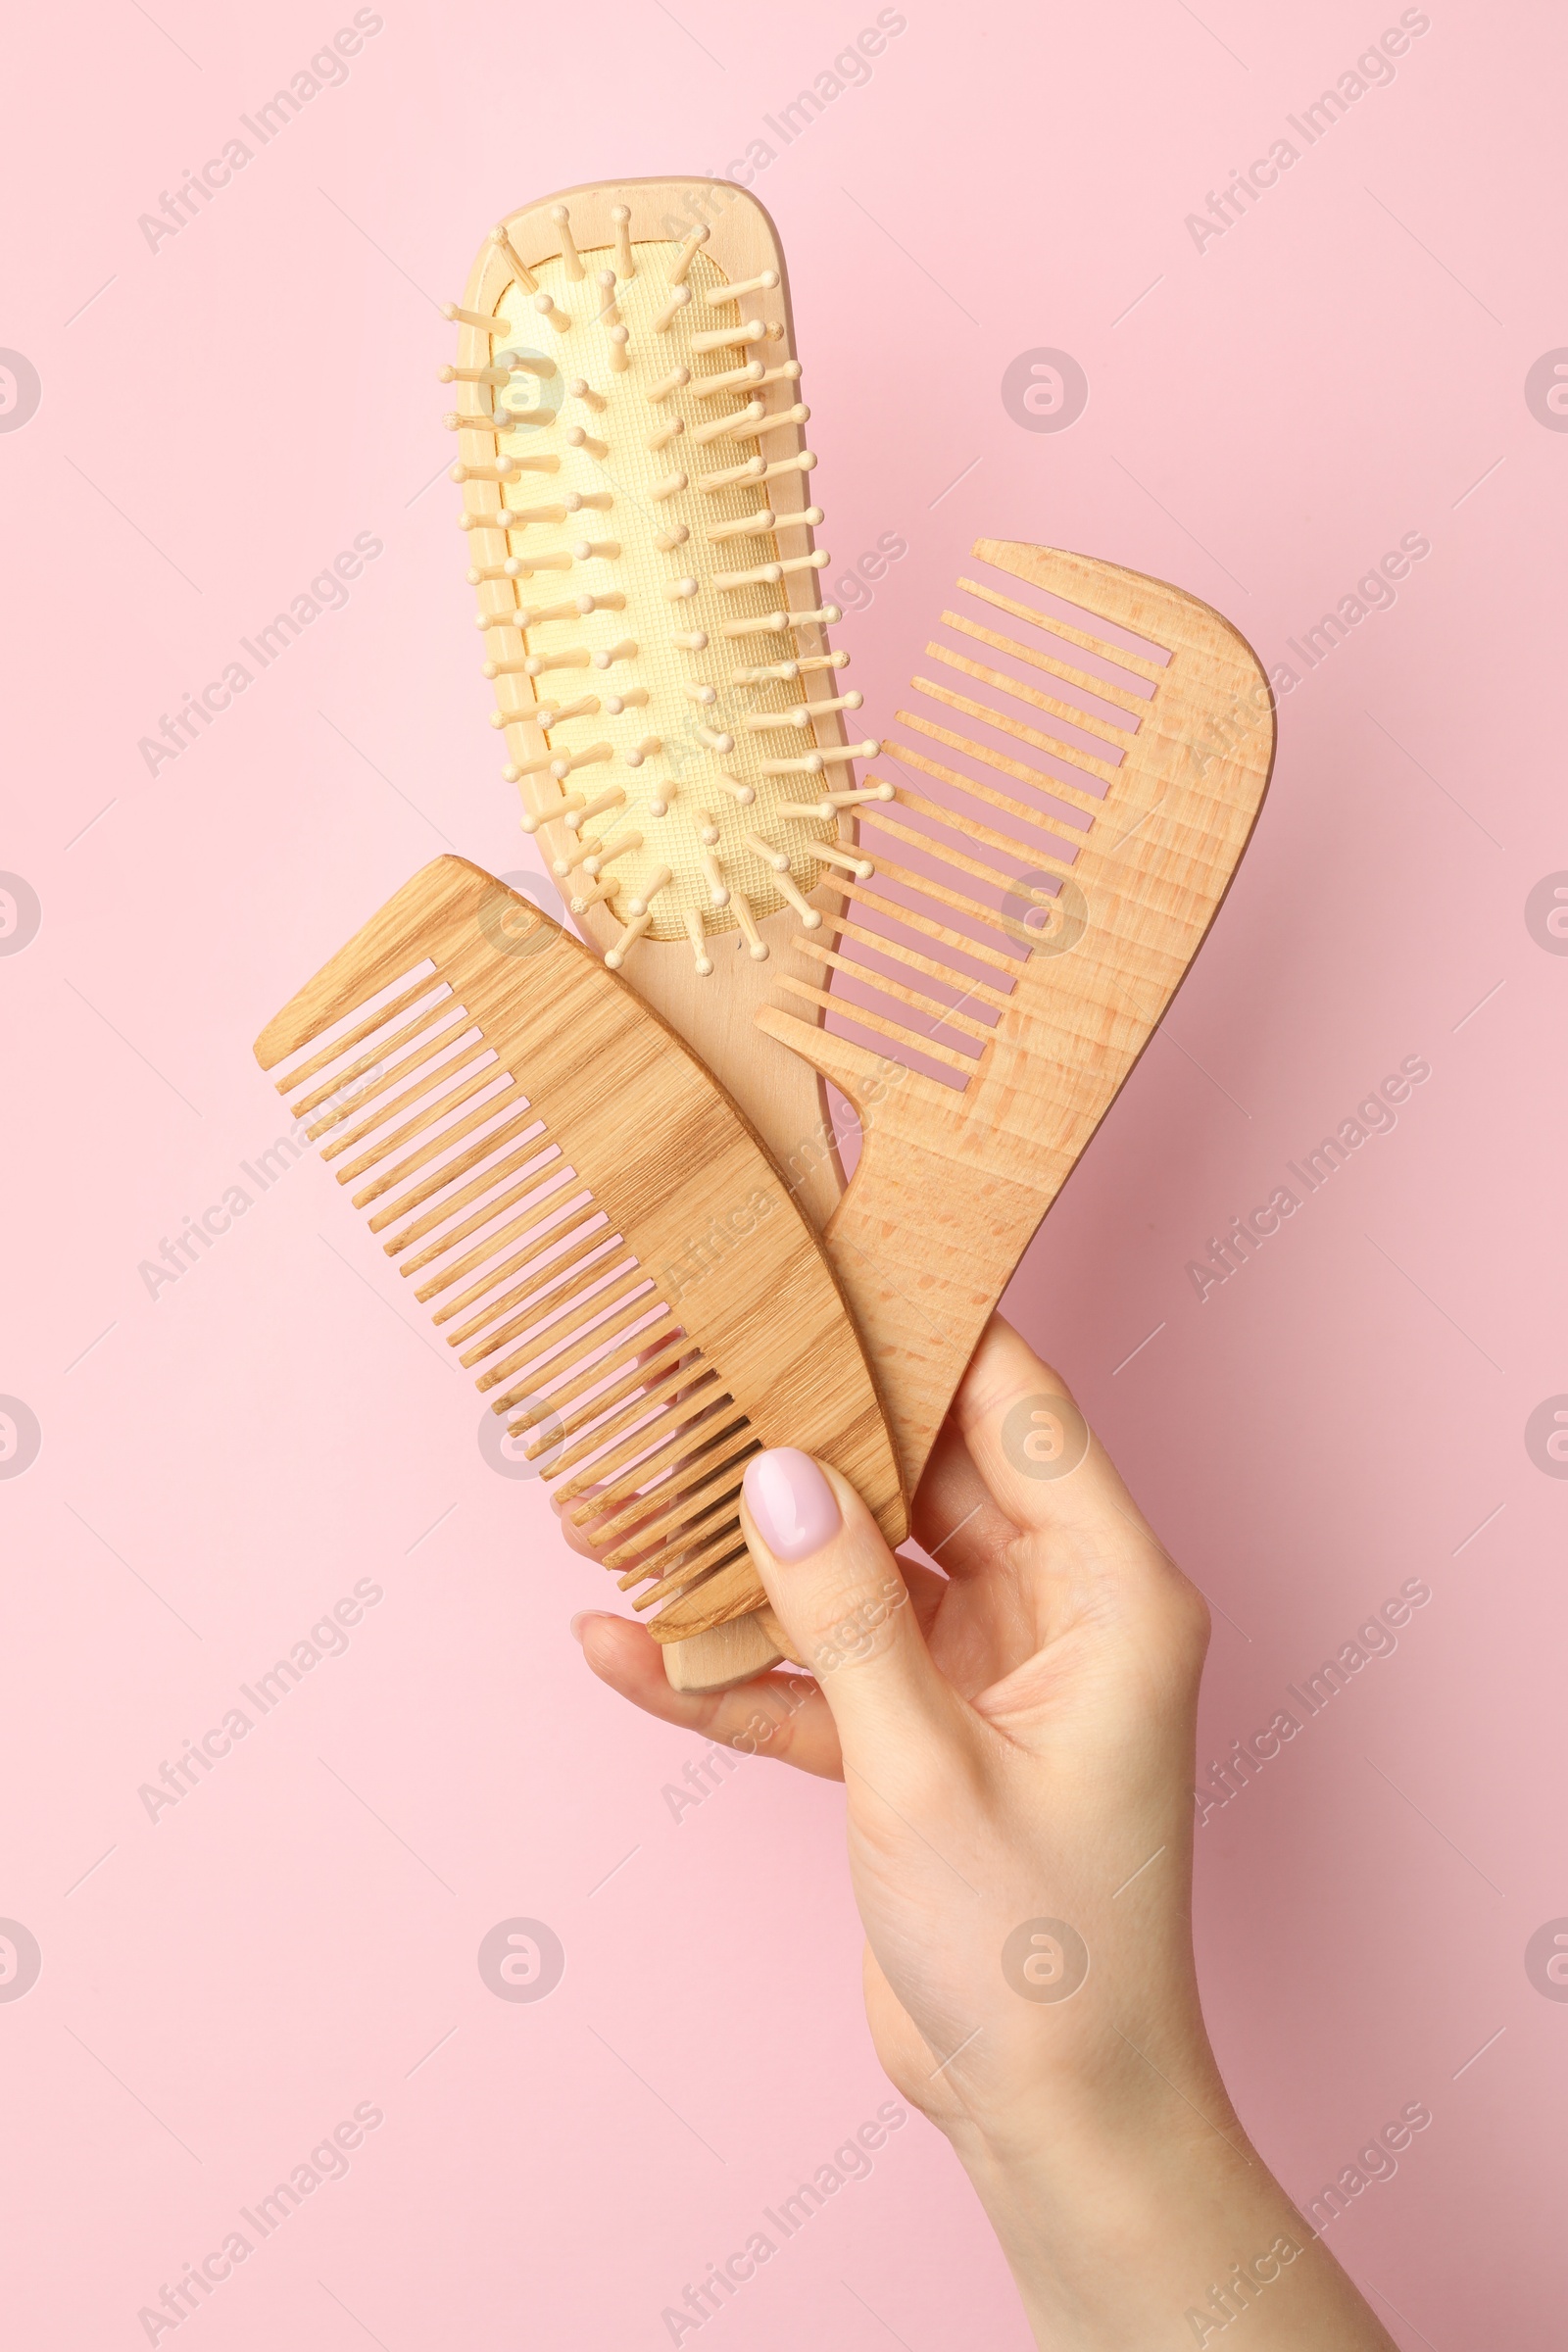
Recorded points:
(1069, 816)
(1046, 871)
(593, 1224)
(634, 472)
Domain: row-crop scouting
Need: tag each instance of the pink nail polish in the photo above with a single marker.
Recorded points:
(793, 1506)
(580, 1621)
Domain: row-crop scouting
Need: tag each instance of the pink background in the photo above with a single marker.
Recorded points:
(219, 1464)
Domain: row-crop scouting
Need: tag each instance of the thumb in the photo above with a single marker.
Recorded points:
(841, 1597)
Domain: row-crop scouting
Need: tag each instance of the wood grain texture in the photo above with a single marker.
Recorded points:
(506, 1052)
(952, 1185)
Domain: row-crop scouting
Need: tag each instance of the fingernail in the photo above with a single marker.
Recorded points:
(792, 1505)
(582, 1618)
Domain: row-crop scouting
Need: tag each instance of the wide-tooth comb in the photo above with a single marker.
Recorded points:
(592, 1223)
(1069, 817)
(635, 500)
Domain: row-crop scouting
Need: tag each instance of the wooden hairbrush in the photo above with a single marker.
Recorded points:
(635, 479)
(1044, 874)
(593, 1224)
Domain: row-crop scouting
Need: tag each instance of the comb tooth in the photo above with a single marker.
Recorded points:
(694, 931)
(486, 1259)
(1124, 737)
(728, 338)
(580, 389)
(514, 261)
(677, 1515)
(982, 835)
(928, 928)
(800, 715)
(436, 1072)
(619, 352)
(621, 213)
(1137, 664)
(660, 880)
(580, 1395)
(767, 575)
(769, 852)
(552, 314)
(762, 284)
(889, 870)
(501, 1204)
(608, 310)
(829, 853)
(391, 1177)
(830, 754)
(630, 1512)
(980, 989)
(375, 1059)
(473, 376)
(435, 1108)
(638, 1392)
(756, 943)
(368, 1028)
(752, 375)
(1071, 837)
(568, 251)
(474, 318)
(530, 1153)
(598, 1254)
(947, 1017)
(632, 1281)
(547, 1233)
(690, 1569)
(1104, 769)
(502, 471)
(809, 915)
(755, 421)
(665, 319)
(620, 1436)
(776, 624)
(628, 1318)
(688, 1540)
(674, 382)
(867, 1019)
(683, 260)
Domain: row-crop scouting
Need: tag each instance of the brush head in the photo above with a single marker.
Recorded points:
(593, 1225)
(638, 527)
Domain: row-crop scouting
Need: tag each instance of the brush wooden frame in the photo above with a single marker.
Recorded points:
(781, 1095)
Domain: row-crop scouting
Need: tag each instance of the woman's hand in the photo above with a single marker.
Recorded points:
(1016, 1734)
